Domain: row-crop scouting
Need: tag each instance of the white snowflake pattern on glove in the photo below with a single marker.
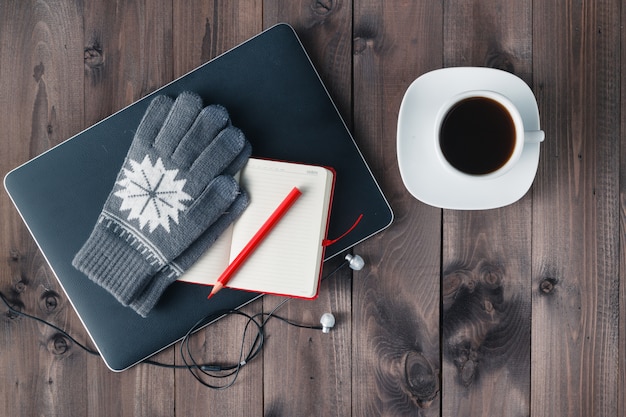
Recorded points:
(152, 193)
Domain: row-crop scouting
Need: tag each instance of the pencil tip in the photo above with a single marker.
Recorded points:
(218, 286)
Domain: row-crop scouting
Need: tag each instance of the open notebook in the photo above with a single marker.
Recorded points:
(289, 260)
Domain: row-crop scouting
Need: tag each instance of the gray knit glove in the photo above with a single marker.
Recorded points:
(148, 297)
(168, 193)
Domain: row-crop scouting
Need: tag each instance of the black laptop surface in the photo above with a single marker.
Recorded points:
(275, 96)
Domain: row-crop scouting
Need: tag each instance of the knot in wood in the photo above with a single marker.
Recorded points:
(499, 59)
(49, 301)
(453, 281)
(93, 56)
(19, 286)
(359, 45)
(14, 255)
(491, 275)
(366, 35)
(467, 371)
(547, 285)
(58, 344)
(421, 381)
(323, 7)
(38, 71)
(451, 284)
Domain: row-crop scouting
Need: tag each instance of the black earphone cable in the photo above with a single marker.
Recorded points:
(224, 371)
(208, 370)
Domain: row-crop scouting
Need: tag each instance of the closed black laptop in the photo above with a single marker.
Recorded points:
(275, 96)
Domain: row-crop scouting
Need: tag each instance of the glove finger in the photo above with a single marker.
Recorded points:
(178, 121)
(153, 119)
(219, 154)
(240, 160)
(212, 233)
(208, 124)
(208, 207)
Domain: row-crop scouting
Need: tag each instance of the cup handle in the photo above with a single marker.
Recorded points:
(534, 136)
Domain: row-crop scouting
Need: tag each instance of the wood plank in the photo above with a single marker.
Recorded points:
(219, 26)
(486, 312)
(575, 214)
(307, 372)
(621, 369)
(41, 97)
(487, 254)
(127, 54)
(492, 34)
(395, 354)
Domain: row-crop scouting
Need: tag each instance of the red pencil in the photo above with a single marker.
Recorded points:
(258, 237)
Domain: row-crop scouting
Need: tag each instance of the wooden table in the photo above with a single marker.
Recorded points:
(509, 312)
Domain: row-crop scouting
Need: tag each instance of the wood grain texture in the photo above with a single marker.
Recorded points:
(395, 355)
(490, 33)
(42, 102)
(307, 372)
(127, 53)
(439, 321)
(487, 254)
(621, 368)
(575, 214)
(486, 312)
(218, 27)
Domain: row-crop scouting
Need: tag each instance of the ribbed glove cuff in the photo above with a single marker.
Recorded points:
(117, 260)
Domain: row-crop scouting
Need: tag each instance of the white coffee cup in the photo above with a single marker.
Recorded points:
(480, 134)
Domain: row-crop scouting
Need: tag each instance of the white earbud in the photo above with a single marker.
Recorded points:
(355, 262)
(327, 321)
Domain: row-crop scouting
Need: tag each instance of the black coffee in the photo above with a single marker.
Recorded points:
(477, 136)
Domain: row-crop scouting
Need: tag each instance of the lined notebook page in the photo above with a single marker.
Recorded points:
(288, 261)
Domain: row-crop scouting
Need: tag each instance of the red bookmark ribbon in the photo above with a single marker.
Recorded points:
(328, 242)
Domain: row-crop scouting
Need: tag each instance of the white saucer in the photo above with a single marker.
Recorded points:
(422, 173)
